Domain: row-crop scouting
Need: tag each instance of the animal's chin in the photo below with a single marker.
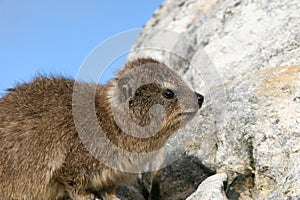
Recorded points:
(189, 113)
(185, 116)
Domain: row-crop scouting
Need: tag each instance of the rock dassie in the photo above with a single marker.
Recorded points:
(45, 153)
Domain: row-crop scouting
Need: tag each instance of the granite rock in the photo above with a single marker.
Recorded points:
(244, 56)
(211, 188)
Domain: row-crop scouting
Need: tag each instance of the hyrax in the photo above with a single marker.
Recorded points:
(49, 148)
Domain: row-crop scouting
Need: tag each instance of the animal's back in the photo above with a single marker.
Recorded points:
(35, 123)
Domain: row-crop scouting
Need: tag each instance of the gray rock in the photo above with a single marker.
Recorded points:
(180, 179)
(176, 181)
(211, 188)
(245, 57)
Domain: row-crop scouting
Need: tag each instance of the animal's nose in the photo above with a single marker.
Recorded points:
(200, 99)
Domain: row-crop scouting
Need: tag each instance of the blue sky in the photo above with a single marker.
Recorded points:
(56, 36)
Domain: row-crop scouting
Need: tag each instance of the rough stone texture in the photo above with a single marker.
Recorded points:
(249, 127)
(176, 181)
(179, 180)
(210, 189)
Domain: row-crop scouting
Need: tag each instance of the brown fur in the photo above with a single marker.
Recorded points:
(41, 155)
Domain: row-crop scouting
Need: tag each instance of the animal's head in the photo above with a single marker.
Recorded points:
(149, 98)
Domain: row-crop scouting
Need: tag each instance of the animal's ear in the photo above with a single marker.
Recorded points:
(125, 88)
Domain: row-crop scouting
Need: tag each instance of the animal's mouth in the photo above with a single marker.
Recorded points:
(188, 114)
(184, 117)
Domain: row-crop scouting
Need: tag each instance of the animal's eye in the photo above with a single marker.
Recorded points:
(168, 94)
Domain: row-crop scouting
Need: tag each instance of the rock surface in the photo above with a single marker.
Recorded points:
(245, 57)
(210, 189)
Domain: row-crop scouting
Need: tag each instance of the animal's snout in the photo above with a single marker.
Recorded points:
(200, 99)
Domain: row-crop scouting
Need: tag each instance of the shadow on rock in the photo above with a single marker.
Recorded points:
(174, 182)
